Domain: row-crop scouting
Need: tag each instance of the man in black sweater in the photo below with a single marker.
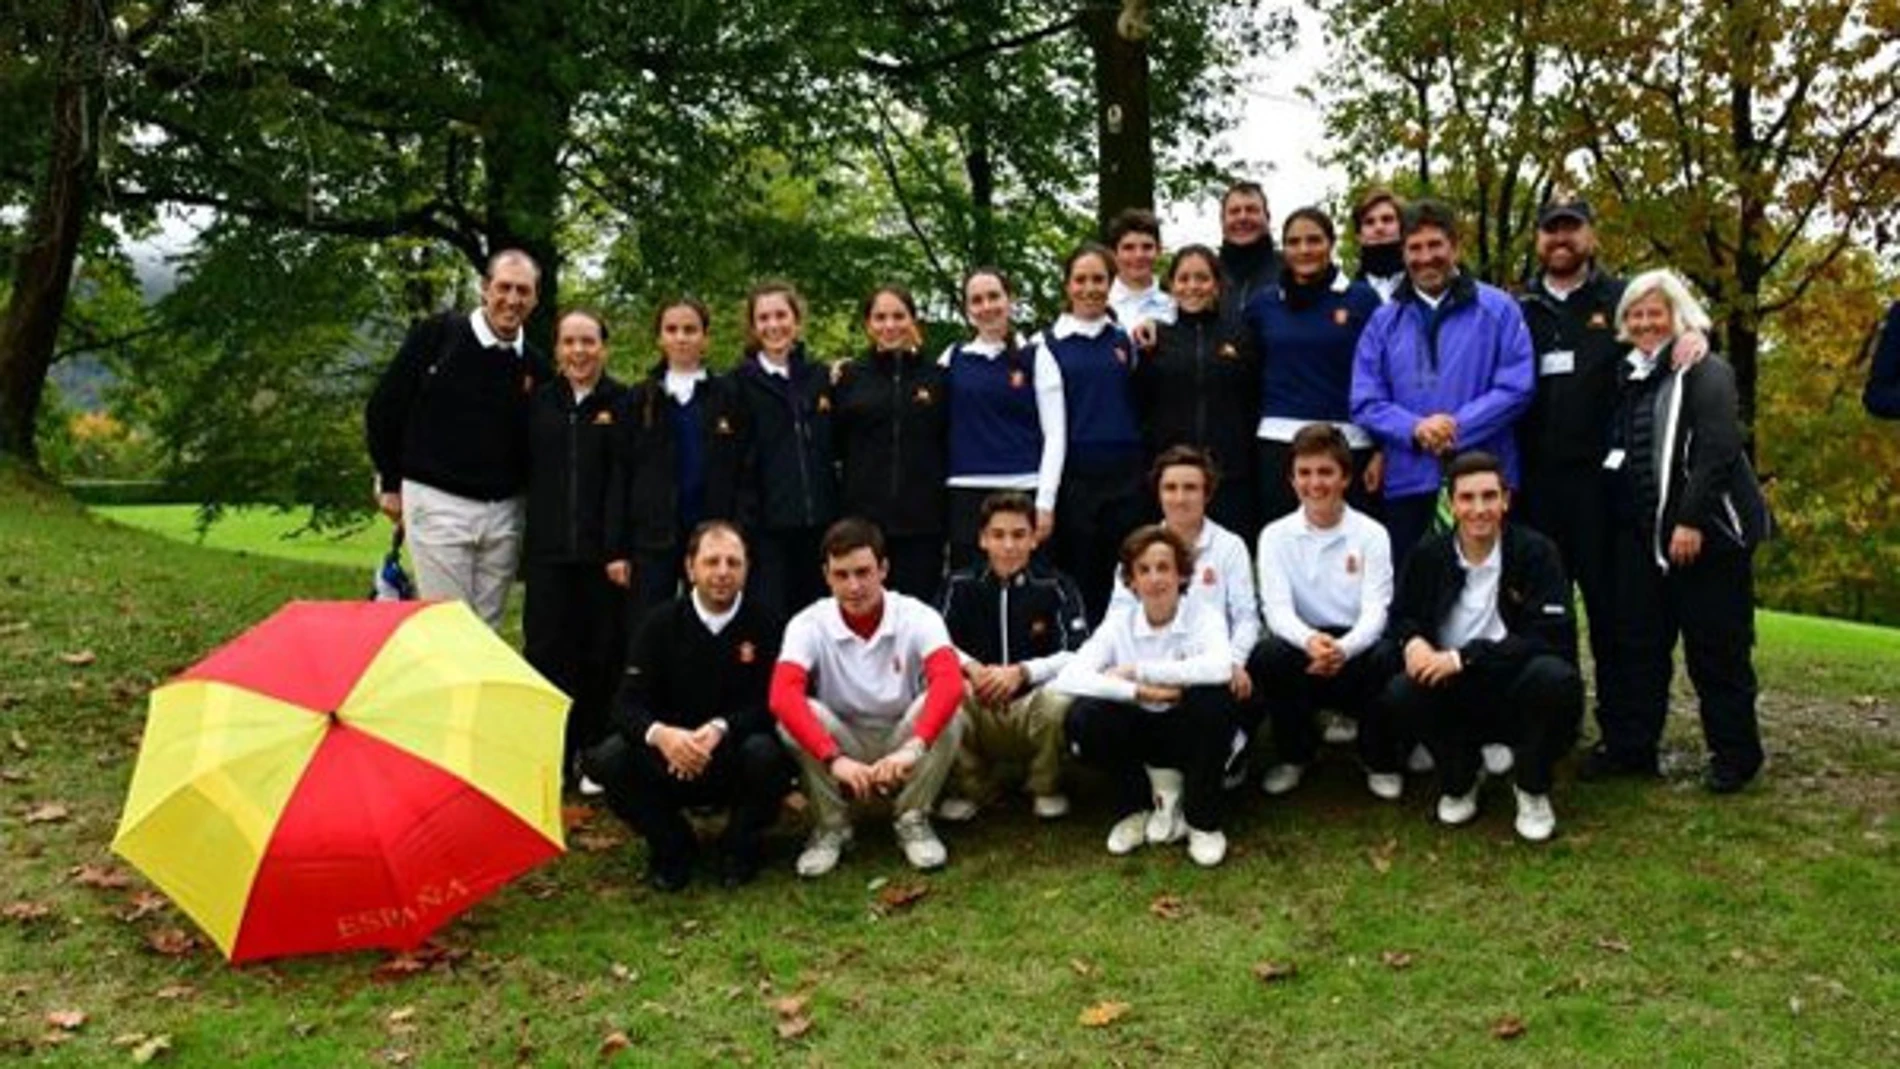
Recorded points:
(1248, 258)
(448, 433)
(693, 725)
(1484, 622)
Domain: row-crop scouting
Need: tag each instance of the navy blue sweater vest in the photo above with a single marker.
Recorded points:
(994, 428)
(1098, 394)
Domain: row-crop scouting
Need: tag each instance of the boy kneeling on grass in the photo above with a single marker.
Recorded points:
(1153, 709)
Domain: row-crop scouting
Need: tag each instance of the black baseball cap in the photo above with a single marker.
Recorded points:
(1565, 207)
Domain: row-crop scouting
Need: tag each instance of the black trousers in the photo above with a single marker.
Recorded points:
(1277, 497)
(657, 575)
(966, 523)
(1710, 604)
(1094, 511)
(750, 775)
(1567, 504)
(1531, 704)
(916, 565)
(573, 630)
(1408, 520)
(1291, 698)
(1197, 737)
(787, 571)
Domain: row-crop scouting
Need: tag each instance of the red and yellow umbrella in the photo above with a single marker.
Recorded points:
(346, 775)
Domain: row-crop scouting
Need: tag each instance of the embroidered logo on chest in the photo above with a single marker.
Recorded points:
(748, 653)
(1352, 564)
(1227, 351)
(1341, 317)
(1039, 627)
(824, 402)
(1208, 577)
(1121, 355)
(1598, 321)
(603, 418)
(922, 396)
(1017, 380)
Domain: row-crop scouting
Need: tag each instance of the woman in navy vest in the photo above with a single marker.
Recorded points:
(1306, 328)
(1100, 499)
(571, 621)
(890, 415)
(792, 495)
(1199, 386)
(681, 460)
(1007, 430)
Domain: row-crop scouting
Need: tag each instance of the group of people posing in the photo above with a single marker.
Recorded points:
(1176, 519)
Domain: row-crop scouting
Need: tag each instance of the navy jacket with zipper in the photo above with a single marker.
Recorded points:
(891, 418)
(792, 481)
(1533, 597)
(645, 509)
(1035, 613)
(1200, 386)
(570, 462)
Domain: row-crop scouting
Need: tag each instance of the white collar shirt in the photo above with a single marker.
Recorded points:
(716, 621)
(486, 337)
(865, 681)
(1189, 650)
(1223, 581)
(783, 371)
(679, 385)
(1475, 614)
(1133, 306)
(1326, 578)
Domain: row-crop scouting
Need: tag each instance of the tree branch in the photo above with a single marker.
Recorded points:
(917, 69)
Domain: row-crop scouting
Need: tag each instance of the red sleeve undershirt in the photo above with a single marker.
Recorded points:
(943, 679)
(793, 709)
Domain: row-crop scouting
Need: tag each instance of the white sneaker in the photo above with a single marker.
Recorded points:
(822, 850)
(1385, 785)
(1128, 834)
(1420, 760)
(1340, 730)
(1281, 779)
(590, 789)
(1165, 822)
(1535, 819)
(1207, 848)
(919, 840)
(1456, 809)
(956, 810)
(1498, 758)
(1052, 806)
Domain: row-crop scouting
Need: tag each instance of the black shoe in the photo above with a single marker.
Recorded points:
(669, 878)
(1726, 777)
(737, 871)
(1602, 764)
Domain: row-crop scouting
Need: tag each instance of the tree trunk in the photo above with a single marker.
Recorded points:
(981, 168)
(1125, 168)
(43, 268)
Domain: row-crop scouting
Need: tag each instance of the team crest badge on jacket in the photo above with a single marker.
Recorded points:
(1341, 316)
(603, 418)
(1017, 380)
(748, 653)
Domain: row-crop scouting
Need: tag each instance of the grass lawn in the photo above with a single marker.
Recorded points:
(260, 532)
(1662, 926)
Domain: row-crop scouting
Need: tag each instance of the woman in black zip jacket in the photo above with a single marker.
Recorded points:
(1198, 386)
(891, 420)
(1688, 515)
(681, 460)
(790, 496)
(572, 619)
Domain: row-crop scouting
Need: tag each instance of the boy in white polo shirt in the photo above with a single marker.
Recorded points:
(887, 684)
(1325, 582)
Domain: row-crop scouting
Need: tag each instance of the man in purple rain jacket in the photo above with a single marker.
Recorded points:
(1445, 367)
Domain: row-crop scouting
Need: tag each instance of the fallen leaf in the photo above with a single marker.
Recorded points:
(171, 942)
(1396, 959)
(1168, 907)
(15, 627)
(130, 1039)
(900, 896)
(151, 1048)
(1082, 968)
(25, 912)
(174, 992)
(54, 1038)
(142, 905)
(78, 658)
(1509, 1026)
(622, 973)
(1102, 1014)
(790, 1005)
(18, 741)
(793, 1027)
(66, 1020)
(1381, 856)
(598, 842)
(106, 877)
(397, 1057)
(401, 1014)
(1614, 946)
(47, 813)
(1272, 972)
(614, 1044)
(10, 774)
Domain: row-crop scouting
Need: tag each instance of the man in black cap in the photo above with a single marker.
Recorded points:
(1570, 307)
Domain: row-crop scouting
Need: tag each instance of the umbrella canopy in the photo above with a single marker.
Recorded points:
(346, 775)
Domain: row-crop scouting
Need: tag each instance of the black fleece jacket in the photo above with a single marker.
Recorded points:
(1569, 417)
(570, 449)
(644, 504)
(1533, 597)
(793, 483)
(891, 418)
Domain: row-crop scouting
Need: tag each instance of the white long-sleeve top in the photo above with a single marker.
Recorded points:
(1187, 651)
(1326, 577)
(1223, 580)
(1052, 413)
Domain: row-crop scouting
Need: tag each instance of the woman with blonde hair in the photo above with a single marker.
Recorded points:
(1688, 513)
